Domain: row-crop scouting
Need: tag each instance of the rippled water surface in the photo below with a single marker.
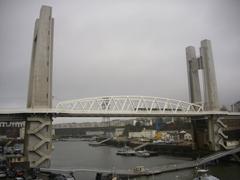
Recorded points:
(78, 154)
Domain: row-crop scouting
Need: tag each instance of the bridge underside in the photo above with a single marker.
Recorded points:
(20, 115)
(227, 126)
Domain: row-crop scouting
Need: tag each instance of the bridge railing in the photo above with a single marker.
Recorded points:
(132, 104)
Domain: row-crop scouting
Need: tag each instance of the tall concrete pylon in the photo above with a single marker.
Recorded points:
(38, 129)
(193, 77)
(212, 135)
(193, 88)
(211, 101)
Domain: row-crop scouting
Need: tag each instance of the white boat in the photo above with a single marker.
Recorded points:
(143, 153)
(126, 151)
(201, 174)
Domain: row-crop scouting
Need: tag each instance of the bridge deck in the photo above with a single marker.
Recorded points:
(20, 113)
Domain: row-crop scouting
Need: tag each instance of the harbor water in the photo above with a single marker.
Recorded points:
(79, 155)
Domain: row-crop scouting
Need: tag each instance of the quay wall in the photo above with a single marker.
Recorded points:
(166, 149)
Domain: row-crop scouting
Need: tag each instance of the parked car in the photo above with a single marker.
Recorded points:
(17, 149)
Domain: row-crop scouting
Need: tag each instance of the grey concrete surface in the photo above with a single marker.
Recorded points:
(193, 77)
(211, 101)
(38, 140)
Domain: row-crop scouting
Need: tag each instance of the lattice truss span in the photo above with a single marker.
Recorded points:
(129, 104)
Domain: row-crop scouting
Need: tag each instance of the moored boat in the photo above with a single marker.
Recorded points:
(143, 153)
(126, 151)
(201, 174)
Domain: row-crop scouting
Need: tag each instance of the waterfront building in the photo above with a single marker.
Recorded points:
(119, 132)
(161, 135)
(12, 129)
(143, 121)
(187, 137)
(149, 134)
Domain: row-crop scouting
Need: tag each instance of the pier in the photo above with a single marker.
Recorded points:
(100, 143)
(141, 146)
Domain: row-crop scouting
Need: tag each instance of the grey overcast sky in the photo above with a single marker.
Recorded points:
(120, 47)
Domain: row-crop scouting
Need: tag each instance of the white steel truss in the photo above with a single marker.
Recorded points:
(129, 104)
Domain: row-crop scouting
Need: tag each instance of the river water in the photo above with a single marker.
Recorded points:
(78, 154)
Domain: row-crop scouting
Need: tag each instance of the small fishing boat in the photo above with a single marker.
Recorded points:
(126, 151)
(143, 153)
(201, 174)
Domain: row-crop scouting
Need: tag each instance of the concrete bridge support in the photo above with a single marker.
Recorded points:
(211, 100)
(38, 130)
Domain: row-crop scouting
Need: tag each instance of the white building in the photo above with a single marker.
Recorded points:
(119, 132)
(187, 137)
(149, 134)
(143, 121)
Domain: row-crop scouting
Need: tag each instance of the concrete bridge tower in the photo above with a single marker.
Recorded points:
(38, 129)
(193, 88)
(193, 77)
(207, 132)
(211, 101)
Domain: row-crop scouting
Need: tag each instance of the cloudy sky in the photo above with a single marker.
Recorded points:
(120, 47)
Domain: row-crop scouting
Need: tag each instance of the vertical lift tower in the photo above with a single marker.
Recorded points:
(208, 133)
(38, 128)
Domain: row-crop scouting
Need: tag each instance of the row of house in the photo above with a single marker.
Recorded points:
(156, 135)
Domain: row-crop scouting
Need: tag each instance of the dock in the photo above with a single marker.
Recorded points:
(142, 146)
(100, 143)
